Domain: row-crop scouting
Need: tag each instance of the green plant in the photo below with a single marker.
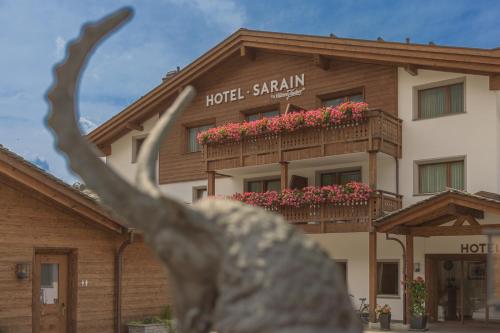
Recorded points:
(165, 318)
(418, 294)
(386, 309)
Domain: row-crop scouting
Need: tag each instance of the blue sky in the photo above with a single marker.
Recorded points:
(169, 33)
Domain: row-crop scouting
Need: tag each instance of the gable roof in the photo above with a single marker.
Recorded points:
(414, 56)
(427, 208)
(21, 171)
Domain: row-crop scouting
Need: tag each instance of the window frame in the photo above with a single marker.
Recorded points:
(263, 180)
(195, 190)
(136, 147)
(346, 263)
(448, 160)
(439, 84)
(338, 171)
(187, 127)
(341, 93)
(398, 279)
(260, 110)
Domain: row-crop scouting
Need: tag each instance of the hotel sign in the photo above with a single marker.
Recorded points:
(285, 87)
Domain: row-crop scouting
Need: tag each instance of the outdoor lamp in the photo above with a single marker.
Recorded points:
(417, 267)
(23, 270)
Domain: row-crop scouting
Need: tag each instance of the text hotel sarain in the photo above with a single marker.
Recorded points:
(287, 87)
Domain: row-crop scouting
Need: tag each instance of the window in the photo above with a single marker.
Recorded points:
(137, 143)
(342, 267)
(340, 177)
(260, 115)
(436, 177)
(193, 145)
(356, 97)
(388, 278)
(441, 101)
(199, 192)
(49, 281)
(264, 185)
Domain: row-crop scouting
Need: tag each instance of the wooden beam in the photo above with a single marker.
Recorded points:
(321, 61)
(450, 209)
(472, 221)
(211, 183)
(495, 82)
(104, 150)
(372, 273)
(463, 230)
(248, 52)
(372, 170)
(284, 175)
(411, 69)
(135, 126)
(460, 221)
(409, 273)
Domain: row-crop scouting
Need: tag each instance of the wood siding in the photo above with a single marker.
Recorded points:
(377, 82)
(29, 222)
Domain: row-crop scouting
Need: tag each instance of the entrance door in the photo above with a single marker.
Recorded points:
(458, 288)
(50, 283)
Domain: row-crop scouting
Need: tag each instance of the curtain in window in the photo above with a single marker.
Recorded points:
(457, 175)
(433, 178)
(346, 177)
(432, 102)
(457, 98)
(193, 143)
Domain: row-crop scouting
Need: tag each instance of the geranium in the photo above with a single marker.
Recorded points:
(418, 294)
(317, 118)
(353, 193)
(385, 309)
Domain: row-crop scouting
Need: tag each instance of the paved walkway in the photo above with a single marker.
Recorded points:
(473, 327)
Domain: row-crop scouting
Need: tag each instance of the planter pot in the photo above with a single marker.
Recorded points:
(147, 328)
(418, 322)
(385, 321)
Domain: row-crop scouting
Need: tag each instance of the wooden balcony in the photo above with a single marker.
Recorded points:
(378, 131)
(329, 218)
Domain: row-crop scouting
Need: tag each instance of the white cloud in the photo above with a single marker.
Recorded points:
(86, 125)
(227, 14)
(60, 44)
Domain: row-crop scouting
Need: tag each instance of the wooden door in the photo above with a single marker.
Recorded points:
(50, 289)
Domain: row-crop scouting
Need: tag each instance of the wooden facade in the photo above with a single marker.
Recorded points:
(377, 83)
(34, 226)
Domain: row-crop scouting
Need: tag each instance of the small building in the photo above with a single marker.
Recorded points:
(60, 258)
(427, 141)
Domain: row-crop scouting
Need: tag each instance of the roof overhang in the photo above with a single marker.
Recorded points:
(245, 42)
(449, 213)
(22, 172)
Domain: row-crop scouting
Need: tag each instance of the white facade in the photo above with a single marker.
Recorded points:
(474, 135)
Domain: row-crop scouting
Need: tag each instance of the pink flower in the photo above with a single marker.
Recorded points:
(317, 118)
(311, 196)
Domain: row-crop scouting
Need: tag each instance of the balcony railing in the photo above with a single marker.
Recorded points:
(326, 218)
(377, 131)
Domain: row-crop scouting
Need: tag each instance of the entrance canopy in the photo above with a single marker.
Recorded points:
(448, 213)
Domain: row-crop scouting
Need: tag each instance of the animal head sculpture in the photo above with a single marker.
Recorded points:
(232, 268)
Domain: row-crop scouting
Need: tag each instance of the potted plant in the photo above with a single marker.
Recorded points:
(418, 294)
(158, 324)
(384, 316)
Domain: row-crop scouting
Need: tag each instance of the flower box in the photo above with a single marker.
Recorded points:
(325, 117)
(147, 328)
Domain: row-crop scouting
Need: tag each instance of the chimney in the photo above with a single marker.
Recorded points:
(171, 74)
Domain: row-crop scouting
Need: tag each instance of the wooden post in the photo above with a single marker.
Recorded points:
(409, 273)
(284, 175)
(211, 183)
(372, 172)
(372, 300)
